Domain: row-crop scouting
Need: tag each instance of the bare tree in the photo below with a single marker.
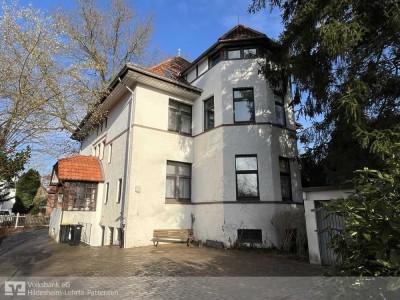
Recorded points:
(29, 44)
(100, 41)
(54, 68)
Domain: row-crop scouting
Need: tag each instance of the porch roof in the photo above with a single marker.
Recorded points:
(79, 168)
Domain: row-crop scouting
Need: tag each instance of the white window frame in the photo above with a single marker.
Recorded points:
(119, 190)
(109, 152)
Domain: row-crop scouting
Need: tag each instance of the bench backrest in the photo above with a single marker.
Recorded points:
(173, 233)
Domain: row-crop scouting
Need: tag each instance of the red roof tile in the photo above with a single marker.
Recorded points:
(173, 65)
(80, 168)
(241, 32)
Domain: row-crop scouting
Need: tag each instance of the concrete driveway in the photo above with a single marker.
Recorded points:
(176, 268)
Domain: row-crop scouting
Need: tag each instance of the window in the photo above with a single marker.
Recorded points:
(280, 113)
(243, 105)
(250, 235)
(246, 177)
(109, 152)
(286, 186)
(119, 191)
(168, 74)
(98, 150)
(80, 195)
(102, 145)
(241, 53)
(180, 117)
(106, 192)
(215, 60)
(250, 53)
(178, 184)
(209, 113)
(234, 54)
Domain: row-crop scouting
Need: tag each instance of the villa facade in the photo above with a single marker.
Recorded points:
(204, 145)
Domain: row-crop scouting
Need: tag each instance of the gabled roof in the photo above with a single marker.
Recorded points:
(79, 168)
(241, 32)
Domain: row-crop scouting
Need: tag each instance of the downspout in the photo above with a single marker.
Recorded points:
(127, 170)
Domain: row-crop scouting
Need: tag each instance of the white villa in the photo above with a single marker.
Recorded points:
(204, 145)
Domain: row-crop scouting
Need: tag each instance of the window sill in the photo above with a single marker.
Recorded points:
(288, 201)
(244, 122)
(181, 133)
(248, 200)
(174, 201)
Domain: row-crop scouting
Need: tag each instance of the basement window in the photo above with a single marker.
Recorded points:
(249, 235)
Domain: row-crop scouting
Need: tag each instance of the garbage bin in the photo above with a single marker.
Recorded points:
(76, 231)
(64, 233)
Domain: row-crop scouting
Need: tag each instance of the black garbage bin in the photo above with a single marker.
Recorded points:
(76, 231)
(64, 233)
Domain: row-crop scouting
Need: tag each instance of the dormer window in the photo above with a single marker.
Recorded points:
(250, 53)
(215, 60)
(234, 54)
(241, 53)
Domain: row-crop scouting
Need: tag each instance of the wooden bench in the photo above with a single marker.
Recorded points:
(181, 234)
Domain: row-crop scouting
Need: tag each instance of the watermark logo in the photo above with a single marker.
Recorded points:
(15, 288)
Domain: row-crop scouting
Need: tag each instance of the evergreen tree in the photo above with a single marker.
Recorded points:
(344, 56)
(27, 187)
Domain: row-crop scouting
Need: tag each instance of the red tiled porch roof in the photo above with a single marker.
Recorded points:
(80, 168)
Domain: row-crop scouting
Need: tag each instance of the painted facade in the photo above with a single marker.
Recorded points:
(233, 157)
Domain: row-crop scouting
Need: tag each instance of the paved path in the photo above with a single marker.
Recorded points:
(169, 271)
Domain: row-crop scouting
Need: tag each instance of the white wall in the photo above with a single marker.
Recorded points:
(220, 222)
(153, 145)
(220, 81)
(310, 197)
(108, 214)
(54, 225)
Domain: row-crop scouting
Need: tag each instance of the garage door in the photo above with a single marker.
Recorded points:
(324, 221)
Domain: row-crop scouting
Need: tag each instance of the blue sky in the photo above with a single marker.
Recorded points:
(191, 25)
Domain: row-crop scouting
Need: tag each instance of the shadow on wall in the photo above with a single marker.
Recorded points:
(244, 76)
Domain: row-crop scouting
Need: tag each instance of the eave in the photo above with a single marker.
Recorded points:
(131, 75)
(223, 43)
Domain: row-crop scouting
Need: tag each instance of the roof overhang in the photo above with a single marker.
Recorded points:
(232, 42)
(77, 168)
(129, 76)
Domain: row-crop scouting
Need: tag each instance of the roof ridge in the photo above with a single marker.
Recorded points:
(244, 27)
(167, 60)
(160, 63)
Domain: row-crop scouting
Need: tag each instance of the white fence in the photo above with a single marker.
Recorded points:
(23, 221)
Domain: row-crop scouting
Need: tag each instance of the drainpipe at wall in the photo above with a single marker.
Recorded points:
(127, 169)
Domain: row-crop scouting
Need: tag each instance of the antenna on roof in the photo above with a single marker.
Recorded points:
(238, 19)
(179, 52)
